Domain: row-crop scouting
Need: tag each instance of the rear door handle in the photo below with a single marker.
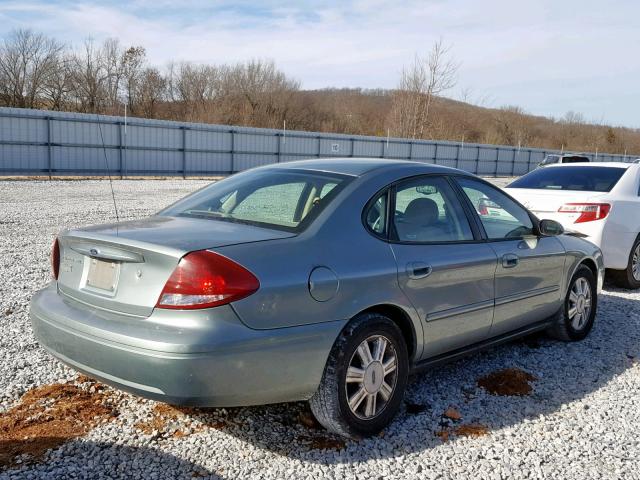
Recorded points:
(510, 260)
(418, 270)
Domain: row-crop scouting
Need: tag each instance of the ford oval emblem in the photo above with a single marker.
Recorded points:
(94, 251)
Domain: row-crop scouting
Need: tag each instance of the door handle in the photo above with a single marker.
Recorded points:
(510, 260)
(418, 270)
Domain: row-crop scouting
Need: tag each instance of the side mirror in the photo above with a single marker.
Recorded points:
(550, 228)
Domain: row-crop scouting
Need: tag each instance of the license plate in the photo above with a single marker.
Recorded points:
(102, 275)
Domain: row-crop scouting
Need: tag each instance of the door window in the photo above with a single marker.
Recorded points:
(501, 217)
(428, 210)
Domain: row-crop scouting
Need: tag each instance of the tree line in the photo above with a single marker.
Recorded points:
(37, 71)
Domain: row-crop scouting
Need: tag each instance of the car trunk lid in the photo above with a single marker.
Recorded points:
(546, 203)
(124, 267)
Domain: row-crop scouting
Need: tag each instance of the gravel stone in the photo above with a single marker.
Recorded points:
(580, 422)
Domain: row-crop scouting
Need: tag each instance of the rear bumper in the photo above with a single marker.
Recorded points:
(227, 364)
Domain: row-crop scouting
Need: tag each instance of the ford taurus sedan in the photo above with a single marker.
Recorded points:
(321, 280)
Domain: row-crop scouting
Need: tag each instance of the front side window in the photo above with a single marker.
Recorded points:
(501, 217)
(280, 199)
(428, 210)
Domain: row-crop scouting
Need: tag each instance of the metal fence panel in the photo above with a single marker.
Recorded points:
(64, 143)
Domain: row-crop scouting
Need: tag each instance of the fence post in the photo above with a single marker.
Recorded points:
(184, 152)
(513, 163)
(233, 149)
(435, 154)
(319, 146)
(458, 156)
(410, 149)
(352, 147)
(495, 171)
(278, 141)
(477, 160)
(49, 166)
(119, 126)
(529, 162)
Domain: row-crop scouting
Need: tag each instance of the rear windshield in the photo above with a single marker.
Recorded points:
(580, 178)
(281, 199)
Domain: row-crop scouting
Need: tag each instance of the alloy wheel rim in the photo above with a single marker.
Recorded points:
(635, 263)
(579, 303)
(371, 377)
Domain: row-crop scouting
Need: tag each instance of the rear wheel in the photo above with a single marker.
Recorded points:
(629, 277)
(365, 378)
(575, 320)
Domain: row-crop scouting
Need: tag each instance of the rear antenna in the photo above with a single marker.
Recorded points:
(106, 164)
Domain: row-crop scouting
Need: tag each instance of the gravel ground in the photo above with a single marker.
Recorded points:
(581, 419)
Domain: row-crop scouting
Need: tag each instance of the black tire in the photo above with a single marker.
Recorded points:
(624, 278)
(562, 329)
(330, 405)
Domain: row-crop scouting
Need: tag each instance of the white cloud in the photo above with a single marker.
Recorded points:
(547, 56)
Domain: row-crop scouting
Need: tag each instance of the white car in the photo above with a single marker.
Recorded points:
(598, 200)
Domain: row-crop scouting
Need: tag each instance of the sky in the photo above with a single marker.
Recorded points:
(546, 56)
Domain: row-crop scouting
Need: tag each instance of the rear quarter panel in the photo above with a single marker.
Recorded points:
(363, 264)
(578, 251)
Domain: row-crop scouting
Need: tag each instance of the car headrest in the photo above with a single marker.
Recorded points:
(421, 211)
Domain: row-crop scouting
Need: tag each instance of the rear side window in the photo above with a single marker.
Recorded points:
(428, 210)
(577, 178)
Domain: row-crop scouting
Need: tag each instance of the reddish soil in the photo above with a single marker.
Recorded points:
(508, 382)
(48, 416)
(468, 430)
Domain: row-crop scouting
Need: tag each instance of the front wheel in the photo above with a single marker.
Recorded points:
(365, 378)
(575, 320)
(630, 276)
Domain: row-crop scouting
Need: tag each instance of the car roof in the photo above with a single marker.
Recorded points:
(590, 164)
(360, 166)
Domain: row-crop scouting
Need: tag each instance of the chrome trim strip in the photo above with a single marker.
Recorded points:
(451, 312)
(524, 295)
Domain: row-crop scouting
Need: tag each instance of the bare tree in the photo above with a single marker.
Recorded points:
(150, 91)
(27, 60)
(131, 69)
(428, 77)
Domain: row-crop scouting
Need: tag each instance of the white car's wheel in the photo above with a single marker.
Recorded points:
(629, 277)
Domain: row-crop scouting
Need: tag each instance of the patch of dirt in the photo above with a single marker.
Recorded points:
(468, 430)
(327, 443)
(471, 430)
(452, 413)
(48, 416)
(163, 415)
(508, 382)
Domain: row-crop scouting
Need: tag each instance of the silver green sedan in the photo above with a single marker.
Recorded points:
(320, 280)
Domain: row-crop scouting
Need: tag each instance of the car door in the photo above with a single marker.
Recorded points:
(444, 267)
(530, 267)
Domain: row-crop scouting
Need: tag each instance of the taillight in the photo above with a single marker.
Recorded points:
(588, 211)
(55, 259)
(205, 279)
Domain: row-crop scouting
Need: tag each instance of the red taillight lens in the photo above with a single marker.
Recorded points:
(588, 211)
(55, 259)
(205, 279)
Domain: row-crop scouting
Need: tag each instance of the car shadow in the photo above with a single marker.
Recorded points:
(564, 373)
(90, 459)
